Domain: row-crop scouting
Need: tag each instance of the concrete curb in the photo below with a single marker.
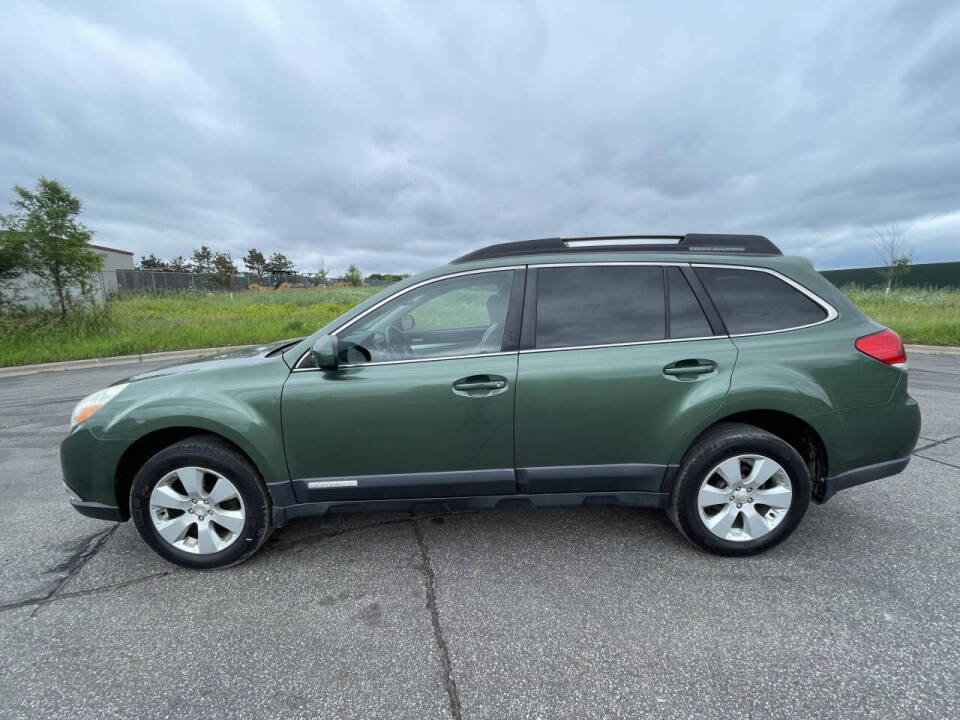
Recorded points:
(175, 355)
(933, 349)
(172, 356)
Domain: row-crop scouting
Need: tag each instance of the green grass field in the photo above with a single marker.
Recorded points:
(146, 323)
(927, 317)
(143, 323)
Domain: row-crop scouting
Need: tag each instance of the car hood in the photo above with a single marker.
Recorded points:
(215, 363)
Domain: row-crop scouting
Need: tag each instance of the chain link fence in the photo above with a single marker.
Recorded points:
(162, 281)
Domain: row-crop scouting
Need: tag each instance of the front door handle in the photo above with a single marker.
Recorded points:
(479, 385)
(689, 369)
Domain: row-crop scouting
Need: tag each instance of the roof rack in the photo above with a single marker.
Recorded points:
(691, 242)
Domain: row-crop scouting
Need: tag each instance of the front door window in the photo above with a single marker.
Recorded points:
(458, 316)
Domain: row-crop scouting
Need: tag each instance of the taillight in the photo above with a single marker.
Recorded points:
(884, 346)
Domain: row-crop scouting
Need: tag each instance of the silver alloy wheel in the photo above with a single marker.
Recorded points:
(197, 510)
(744, 498)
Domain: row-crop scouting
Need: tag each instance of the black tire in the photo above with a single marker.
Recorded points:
(712, 448)
(209, 452)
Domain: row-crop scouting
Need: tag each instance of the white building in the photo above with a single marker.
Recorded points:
(27, 293)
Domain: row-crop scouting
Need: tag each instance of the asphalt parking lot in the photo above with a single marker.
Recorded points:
(507, 614)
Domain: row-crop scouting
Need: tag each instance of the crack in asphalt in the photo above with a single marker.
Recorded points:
(934, 443)
(430, 582)
(92, 545)
(89, 591)
(324, 535)
(73, 564)
(78, 559)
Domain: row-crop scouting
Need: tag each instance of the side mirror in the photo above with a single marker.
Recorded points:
(325, 352)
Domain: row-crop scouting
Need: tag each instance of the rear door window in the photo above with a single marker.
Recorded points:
(599, 305)
(752, 301)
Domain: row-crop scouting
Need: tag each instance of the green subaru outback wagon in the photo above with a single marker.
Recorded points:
(707, 375)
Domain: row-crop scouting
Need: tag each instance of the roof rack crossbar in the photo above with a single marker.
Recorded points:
(691, 242)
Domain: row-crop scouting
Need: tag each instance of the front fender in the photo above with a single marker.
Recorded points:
(241, 404)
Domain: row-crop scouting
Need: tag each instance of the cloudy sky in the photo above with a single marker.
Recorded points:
(399, 135)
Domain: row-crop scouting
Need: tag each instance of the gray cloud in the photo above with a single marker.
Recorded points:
(399, 136)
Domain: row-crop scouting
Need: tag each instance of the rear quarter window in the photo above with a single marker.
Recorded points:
(752, 301)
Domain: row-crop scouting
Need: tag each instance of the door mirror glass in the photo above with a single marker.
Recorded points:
(324, 352)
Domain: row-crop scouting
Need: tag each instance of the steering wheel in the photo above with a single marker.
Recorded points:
(397, 342)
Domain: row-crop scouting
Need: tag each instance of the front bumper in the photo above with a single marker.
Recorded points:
(89, 470)
(97, 510)
(860, 475)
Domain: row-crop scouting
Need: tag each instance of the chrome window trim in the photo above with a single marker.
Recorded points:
(623, 344)
(501, 353)
(422, 283)
(832, 313)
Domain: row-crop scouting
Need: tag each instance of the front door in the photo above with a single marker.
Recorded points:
(609, 379)
(422, 404)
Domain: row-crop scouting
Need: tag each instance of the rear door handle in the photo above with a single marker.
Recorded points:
(479, 385)
(689, 369)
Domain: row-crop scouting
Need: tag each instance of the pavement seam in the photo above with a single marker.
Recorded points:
(935, 372)
(430, 583)
(75, 564)
(942, 462)
(934, 443)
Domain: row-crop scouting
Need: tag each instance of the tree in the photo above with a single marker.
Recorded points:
(892, 249)
(202, 260)
(56, 243)
(224, 269)
(13, 257)
(279, 263)
(321, 274)
(353, 276)
(151, 262)
(255, 262)
(179, 264)
(386, 277)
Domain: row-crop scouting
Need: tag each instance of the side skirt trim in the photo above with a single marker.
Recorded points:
(401, 485)
(283, 514)
(624, 477)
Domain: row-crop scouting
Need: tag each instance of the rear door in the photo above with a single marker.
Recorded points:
(616, 361)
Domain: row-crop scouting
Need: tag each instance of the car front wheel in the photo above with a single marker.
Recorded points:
(200, 504)
(740, 491)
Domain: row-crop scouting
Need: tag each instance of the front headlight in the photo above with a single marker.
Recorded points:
(90, 404)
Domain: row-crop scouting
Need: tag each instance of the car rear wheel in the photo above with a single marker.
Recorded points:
(200, 504)
(740, 490)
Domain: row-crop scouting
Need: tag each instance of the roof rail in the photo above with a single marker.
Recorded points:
(691, 242)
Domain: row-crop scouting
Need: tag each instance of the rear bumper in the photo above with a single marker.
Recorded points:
(860, 475)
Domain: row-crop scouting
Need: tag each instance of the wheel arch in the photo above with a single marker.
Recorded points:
(800, 434)
(153, 442)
